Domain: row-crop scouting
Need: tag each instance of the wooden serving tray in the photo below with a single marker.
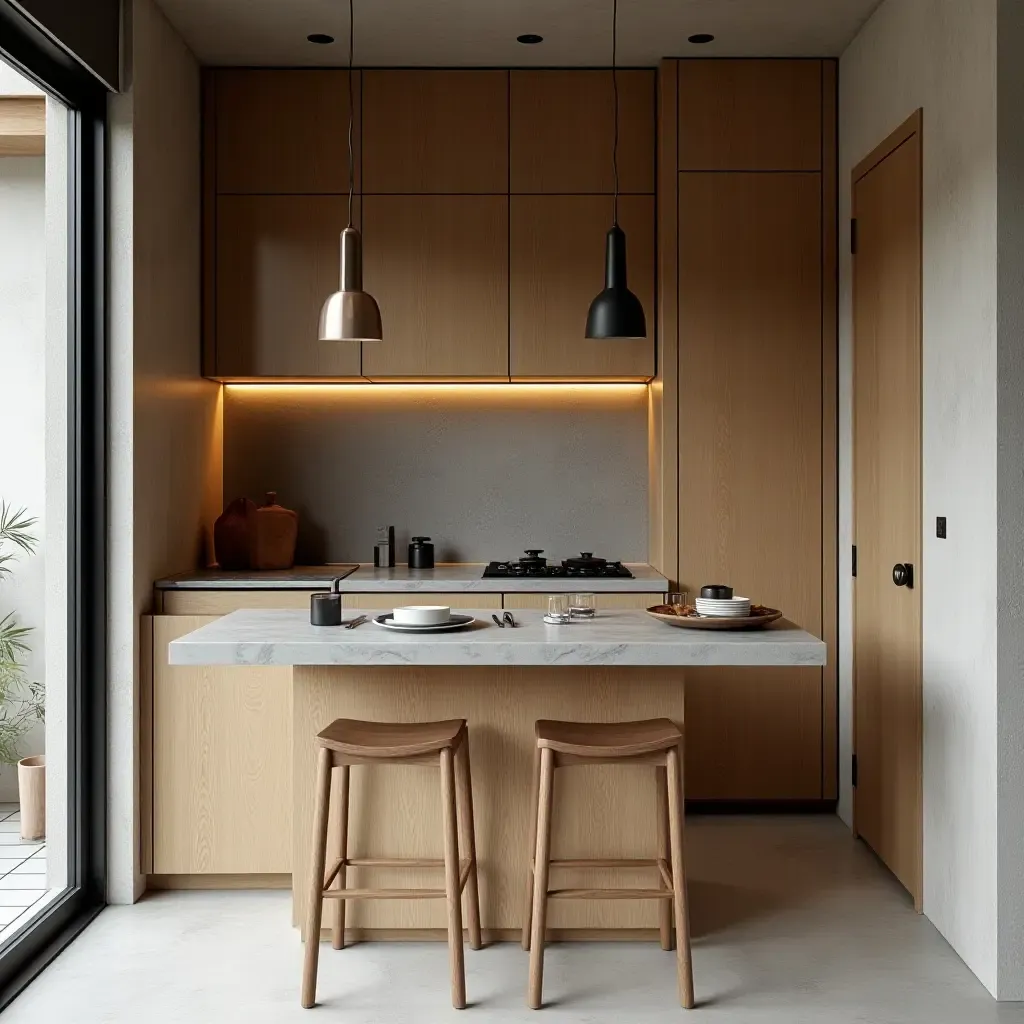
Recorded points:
(703, 622)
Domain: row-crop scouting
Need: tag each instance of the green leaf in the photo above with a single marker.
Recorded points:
(16, 526)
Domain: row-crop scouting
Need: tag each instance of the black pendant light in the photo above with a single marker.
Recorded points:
(616, 312)
(350, 314)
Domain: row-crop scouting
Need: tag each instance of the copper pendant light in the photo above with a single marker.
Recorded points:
(616, 313)
(351, 314)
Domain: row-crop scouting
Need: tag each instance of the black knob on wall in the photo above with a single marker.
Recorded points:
(903, 575)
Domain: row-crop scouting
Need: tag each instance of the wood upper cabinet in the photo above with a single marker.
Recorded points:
(557, 248)
(562, 131)
(438, 267)
(281, 131)
(750, 115)
(277, 260)
(435, 131)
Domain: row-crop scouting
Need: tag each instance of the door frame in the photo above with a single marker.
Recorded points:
(912, 126)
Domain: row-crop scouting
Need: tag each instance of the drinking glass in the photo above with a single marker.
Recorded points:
(582, 606)
(558, 608)
(678, 597)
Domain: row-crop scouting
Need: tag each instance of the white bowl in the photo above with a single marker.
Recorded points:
(730, 608)
(422, 615)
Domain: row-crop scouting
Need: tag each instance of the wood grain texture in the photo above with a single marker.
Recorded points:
(277, 261)
(221, 602)
(283, 131)
(22, 125)
(750, 115)
(887, 505)
(221, 764)
(435, 131)
(750, 463)
(562, 131)
(609, 601)
(663, 393)
(227, 881)
(829, 431)
(557, 253)
(438, 267)
(605, 811)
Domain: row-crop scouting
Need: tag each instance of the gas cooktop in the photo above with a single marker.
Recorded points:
(586, 566)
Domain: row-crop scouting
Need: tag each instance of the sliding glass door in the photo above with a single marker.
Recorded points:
(52, 499)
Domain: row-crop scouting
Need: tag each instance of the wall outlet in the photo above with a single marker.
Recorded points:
(940, 527)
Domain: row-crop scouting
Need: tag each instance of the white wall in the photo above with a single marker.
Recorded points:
(165, 420)
(23, 405)
(940, 55)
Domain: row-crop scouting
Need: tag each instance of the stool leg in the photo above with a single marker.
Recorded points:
(451, 880)
(665, 854)
(316, 877)
(467, 840)
(542, 856)
(341, 850)
(531, 850)
(675, 818)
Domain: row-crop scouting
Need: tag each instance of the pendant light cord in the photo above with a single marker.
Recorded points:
(615, 95)
(351, 108)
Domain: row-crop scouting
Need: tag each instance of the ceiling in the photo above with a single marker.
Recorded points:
(453, 33)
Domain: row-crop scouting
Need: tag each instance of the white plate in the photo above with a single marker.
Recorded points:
(455, 622)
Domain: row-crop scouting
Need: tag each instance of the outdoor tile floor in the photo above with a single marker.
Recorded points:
(23, 889)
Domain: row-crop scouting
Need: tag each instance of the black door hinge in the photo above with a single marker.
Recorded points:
(853, 770)
(854, 559)
(853, 236)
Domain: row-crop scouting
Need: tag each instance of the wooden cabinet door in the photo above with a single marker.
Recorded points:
(438, 267)
(282, 131)
(562, 130)
(435, 131)
(277, 261)
(222, 763)
(750, 466)
(750, 115)
(558, 245)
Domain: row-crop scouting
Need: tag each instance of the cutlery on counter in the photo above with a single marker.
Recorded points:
(498, 622)
(357, 621)
(505, 620)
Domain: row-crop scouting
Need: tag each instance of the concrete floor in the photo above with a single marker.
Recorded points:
(792, 923)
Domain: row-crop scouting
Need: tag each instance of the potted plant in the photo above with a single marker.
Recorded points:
(21, 700)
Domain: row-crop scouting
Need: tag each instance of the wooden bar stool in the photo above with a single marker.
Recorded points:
(656, 742)
(442, 744)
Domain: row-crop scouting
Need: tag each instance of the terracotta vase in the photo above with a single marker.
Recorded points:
(272, 536)
(32, 796)
(231, 534)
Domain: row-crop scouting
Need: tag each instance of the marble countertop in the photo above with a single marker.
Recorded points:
(445, 578)
(626, 638)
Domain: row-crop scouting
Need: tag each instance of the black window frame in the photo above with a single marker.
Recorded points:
(31, 52)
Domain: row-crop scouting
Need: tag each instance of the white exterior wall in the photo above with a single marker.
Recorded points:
(940, 55)
(23, 465)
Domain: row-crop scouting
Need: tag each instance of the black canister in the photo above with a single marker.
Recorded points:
(325, 609)
(421, 553)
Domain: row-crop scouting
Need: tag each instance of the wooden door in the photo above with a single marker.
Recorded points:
(750, 466)
(557, 251)
(222, 763)
(277, 261)
(438, 267)
(887, 502)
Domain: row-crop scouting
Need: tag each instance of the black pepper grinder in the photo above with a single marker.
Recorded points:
(421, 553)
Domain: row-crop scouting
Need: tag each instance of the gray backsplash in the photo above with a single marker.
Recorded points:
(484, 470)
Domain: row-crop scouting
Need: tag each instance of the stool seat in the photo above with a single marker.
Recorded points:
(390, 740)
(608, 739)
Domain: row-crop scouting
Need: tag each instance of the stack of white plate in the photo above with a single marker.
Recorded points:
(729, 608)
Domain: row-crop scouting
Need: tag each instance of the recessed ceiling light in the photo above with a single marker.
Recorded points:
(530, 39)
(320, 37)
(700, 38)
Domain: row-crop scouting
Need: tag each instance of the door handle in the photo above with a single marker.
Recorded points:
(903, 575)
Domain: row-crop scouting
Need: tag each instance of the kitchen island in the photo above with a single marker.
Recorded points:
(622, 665)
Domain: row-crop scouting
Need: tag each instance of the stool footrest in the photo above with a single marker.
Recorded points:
(465, 866)
(609, 894)
(606, 863)
(384, 894)
(394, 862)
